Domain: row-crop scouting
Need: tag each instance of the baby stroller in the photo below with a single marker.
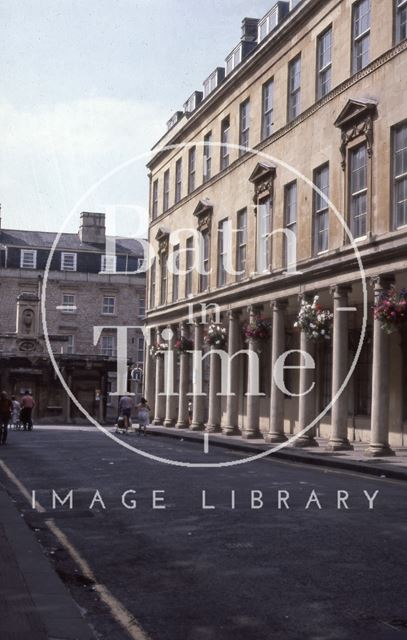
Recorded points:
(121, 425)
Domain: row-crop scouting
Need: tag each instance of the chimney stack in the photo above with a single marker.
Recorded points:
(249, 29)
(93, 228)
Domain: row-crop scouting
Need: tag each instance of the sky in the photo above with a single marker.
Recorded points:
(88, 85)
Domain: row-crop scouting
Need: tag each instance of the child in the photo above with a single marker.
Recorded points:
(143, 415)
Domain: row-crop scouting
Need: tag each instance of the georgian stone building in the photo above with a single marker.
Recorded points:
(315, 93)
(85, 289)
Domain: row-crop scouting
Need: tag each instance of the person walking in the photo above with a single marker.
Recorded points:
(126, 405)
(6, 408)
(15, 415)
(27, 406)
(143, 415)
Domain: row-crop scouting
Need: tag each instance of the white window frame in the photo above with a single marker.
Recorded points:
(68, 307)
(107, 308)
(264, 230)
(360, 37)
(244, 126)
(64, 256)
(69, 345)
(323, 69)
(191, 170)
(155, 199)
(267, 109)
(290, 222)
(166, 191)
(399, 178)
(108, 264)
(223, 248)
(354, 195)
(207, 157)
(189, 257)
(321, 210)
(32, 255)
(178, 180)
(401, 11)
(241, 243)
(294, 88)
(224, 138)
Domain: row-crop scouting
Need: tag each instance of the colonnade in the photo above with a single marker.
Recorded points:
(172, 411)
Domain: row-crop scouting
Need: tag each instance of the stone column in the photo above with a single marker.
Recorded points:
(198, 412)
(379, 435)
(251, 429)
(171, 400)
(276, 433)
(159, 388)
(149, 373)
(339, 413)
(214, 409)
(307, 404)
(232, 401)
(184, 367)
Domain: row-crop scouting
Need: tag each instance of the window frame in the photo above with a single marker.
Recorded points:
(293, 93)
(264, 238)
(191, 170)
(178, 181)
(163, 279)
(352, 149)
(290, 224)
(244, 126)
(207, 157)
(189, 259)
(267, 127)
(66, 307)
(318, 212)
(154, 207)
(152, 283)
(33, 254)
(360, 37)
(241, 244)
(104, 260)
(106, 306)
(205, 260)
(175, 276)
(398, 10)
(222, 274)
(166, 190)
(321, 70)
(70, 345)
(108, 352)
(225, 141)
(397, 178)
(64, 254)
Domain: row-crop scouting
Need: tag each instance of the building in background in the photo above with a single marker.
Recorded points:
(86, 288)
(320, 85)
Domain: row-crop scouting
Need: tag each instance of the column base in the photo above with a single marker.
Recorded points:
(169, 424)
(212, 428)
(182, 425)
(274, 438)
(339, 444)
(304, 442)
(379, 451)
(197, 426)
(230, 431)
(158, 422)
(251, 435)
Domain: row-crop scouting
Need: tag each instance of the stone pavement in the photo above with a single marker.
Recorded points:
(356, 460)
(34, 604)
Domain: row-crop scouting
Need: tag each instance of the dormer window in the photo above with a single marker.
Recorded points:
(272, 19)
(234, 59)
(68, 261)
(108, 264)
(28, 259)
(213, 81)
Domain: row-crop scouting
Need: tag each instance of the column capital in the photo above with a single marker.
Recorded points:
(338, 290)
(233, 314)
(254, 309)
(308, 296)
(280, 304)
(382, 282)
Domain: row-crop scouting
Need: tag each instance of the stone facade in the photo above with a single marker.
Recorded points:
(334, 117)
(82, 292)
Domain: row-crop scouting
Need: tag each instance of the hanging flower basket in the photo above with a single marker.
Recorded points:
(183, 344)
(391, 309)
(158, 349)
(314, 320)
(259, 329)
(216, 336)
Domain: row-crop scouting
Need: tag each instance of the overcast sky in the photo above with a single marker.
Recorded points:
(86, 85)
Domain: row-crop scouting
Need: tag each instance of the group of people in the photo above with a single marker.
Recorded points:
(15, 412)
(126, 406)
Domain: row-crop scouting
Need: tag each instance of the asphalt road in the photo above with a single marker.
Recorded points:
(188, 573)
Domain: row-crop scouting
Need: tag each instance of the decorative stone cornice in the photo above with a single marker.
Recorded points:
(203, 212)
(356, 120)
(263, 178)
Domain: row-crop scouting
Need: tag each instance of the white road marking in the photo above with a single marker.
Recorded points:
(206, 442)
(117, 610)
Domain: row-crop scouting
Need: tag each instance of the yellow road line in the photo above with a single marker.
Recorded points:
(117, 610)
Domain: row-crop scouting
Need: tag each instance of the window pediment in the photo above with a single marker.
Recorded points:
(203, 212)
(162, 238)
(262, 177)
(356, 120)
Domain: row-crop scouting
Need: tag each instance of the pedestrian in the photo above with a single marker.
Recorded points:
(190, 411)
(143, 415)
(27, 406)
(15, 415)
(6, 408)
(126, 405)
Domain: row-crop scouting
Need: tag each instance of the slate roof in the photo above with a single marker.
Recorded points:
(67, 241)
